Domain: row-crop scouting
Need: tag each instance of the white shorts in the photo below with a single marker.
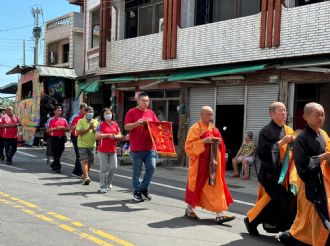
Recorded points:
(240, 159)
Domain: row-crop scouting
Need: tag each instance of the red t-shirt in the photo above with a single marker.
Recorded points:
(107, 145)
(55, 122)
(139, 137)
(1, 129)
(10, 132)
(73, 122)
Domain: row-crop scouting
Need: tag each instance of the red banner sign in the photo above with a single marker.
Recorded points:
(162, 137)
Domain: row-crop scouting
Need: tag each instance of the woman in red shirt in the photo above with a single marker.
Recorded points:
(107, 133)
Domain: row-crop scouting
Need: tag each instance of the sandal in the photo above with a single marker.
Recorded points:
(235, 176)
(191, 214)
(223, 219)
(245, 178)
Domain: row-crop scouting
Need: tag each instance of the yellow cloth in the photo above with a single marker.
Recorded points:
(307, 226)
(212, 198)
(263, 198)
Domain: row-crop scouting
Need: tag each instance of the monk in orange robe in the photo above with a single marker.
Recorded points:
(312, 159)
(206, 187)
(276, 204)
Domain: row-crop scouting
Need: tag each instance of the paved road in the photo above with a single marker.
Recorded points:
(38, 207)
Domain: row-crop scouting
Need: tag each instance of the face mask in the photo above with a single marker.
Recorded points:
(108, 116)
(89, 116)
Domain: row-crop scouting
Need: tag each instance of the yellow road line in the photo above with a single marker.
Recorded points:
(67, 228)
(31, 205)
(111, 237)
(76, 223)
(4, 194)
(44, 218)
(28, 211)
(94, 239)
(5, 201)
(58, 216)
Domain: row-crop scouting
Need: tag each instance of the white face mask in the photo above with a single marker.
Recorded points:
(108, 116)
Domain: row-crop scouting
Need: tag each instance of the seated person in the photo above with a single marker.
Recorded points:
(245, 155)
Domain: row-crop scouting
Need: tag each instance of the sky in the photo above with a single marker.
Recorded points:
(16, 24)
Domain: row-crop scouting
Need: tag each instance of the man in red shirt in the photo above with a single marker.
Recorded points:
(77, 171)
(10, 122)
(56, 128)
(141, 146)
(2, 146)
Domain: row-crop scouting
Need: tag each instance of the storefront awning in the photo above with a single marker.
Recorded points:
(56, 72)
(134, 78)
(88, 87)
(196, 73)
(307, 62)
(9, 89)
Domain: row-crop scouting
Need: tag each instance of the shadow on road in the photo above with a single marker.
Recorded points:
(182, 221)
(115, 206)
(79, 193)
(63, 183)
(260, 240)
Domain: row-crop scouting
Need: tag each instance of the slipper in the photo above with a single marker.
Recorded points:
(246, 178)
(235, 176)
(191, 214)
(223, 219)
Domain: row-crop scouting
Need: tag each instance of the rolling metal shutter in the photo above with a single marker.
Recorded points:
(259, 98)
(199, 97)
(230, 95)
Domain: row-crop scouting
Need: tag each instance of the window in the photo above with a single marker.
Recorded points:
(94, 28)
(95, 36)
(219, 10)
(66, 48)
(27, 90)
(305, 2)
(144, 17)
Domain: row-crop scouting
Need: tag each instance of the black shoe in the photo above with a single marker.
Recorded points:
(288, 240)
(253, 231)
(146, 195)
(2, 158)
(9, 163)
(137, 197)
(57, 170)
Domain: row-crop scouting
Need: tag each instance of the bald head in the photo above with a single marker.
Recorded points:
(207, 114)
(314, 115)
(275, 105)
(311, 107)
(278, 113)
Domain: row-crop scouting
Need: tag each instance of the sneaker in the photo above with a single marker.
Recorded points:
(103, 190)
(86, 181)
(110, 187)
(146, 195)
(137, 197)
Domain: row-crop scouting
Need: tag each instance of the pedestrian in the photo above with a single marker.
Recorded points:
(312, 159)
(107, 133)
(245, 155)
(86, 129)
(206, 186)
(56, 127)
(10, 123)
(276, 206)
(77, 171)
(2, 145)
(141, 146)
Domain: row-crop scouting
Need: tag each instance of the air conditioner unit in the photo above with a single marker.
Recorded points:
(161, 25)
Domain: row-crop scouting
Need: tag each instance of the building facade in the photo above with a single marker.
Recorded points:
(237, 56)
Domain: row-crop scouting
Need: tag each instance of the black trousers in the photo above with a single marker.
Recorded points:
(57, 146)
(10, 147)
(77, 166)
(2, 147)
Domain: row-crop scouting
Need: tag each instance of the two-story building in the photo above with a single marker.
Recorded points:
(237, 56)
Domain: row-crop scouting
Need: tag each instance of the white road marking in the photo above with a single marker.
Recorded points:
(29, 155)
(9, 166)
(156, 183)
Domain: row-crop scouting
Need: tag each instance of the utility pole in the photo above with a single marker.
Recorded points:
(36, 32)
(23, 52)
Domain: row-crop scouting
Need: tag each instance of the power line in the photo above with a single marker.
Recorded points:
(14, 28)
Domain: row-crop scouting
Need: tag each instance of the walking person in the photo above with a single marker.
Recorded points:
(2, 145)
(107, 133)
(312, 159)
(56, 127)
(10, 123)
(206, 186)
(276, 206)
(86, 129)
(141, 146)
(77, 171)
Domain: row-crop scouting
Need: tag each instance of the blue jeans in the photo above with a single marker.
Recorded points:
(149, 160)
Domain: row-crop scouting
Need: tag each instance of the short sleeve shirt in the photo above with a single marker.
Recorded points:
(73, 122)
(248, 149)
(139, 137)
(10, 132)
(55, 122)
(107, 145)
(86, 140)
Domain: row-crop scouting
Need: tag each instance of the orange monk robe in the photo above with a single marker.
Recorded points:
(263, 198)
(307, 226)
(212, 197)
